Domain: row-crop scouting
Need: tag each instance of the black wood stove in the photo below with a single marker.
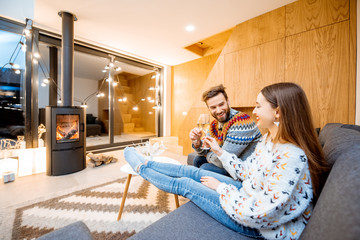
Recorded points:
(65, 125)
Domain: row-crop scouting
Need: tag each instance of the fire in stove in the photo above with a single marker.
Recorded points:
(67, 128)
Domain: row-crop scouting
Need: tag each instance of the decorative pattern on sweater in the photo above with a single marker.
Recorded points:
(276, 193)
(240, 121)
(239, 136)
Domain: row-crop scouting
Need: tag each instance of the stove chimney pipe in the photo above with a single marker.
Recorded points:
(67, 59)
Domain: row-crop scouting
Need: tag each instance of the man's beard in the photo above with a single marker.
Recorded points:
(227, 114)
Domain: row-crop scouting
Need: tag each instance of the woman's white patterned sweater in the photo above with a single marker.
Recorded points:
(276, 194)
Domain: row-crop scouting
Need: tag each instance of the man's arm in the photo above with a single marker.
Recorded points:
(240, 140)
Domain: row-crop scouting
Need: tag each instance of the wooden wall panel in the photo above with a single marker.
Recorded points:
(305, 15)
(248, 71)
(189, 123)
(319, 61)
(188, 80)
(264, 28)
(318, 52)
(352, 66)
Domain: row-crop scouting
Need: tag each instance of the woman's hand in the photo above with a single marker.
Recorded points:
(210, 182)
(212, 143)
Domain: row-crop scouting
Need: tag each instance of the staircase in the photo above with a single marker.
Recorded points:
(131, 119)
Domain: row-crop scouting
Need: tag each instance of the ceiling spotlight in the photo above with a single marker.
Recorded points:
(118, 69)
(36, 55)
(190, 28)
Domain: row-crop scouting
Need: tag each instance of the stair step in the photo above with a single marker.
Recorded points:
(129, 127)
(139, 129)
(126, 118)
(127, 89)
(124, 82)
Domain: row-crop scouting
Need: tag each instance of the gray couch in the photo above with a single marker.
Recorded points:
(336, 214)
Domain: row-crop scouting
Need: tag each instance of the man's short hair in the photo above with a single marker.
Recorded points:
(212, 92)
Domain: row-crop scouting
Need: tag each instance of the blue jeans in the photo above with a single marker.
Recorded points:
(201, 162)
(185, 181)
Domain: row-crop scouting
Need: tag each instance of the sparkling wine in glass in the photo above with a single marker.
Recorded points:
(204, 126)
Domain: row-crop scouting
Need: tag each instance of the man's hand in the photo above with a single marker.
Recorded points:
(211, 142)
(195, 136)
(210, 182)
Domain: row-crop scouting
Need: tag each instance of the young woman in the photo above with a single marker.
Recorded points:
(271, 192)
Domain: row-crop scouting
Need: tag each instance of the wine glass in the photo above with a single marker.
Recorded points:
(204, 125)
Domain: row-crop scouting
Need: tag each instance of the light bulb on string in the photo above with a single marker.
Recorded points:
(23, 46)
(118, 69)
(111, 64)
(135, 108)
(17, 71)
(43, 84)
(36, 55)
(46, 80)
(14, 65)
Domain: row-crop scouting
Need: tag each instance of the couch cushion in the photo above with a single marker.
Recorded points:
(336, 214)
(77, 230)
(338, 138)
(90, 119)
(187, 222)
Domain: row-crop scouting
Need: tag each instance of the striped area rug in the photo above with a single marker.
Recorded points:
(97, 207)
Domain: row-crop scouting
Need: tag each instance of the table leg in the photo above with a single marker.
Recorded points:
(124, 196)
(176, 200)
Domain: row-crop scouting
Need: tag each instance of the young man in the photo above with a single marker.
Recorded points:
(234, 131)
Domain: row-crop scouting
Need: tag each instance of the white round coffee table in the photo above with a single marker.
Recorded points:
(127, 169)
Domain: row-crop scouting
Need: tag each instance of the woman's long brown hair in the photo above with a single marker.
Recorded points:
(296, 127)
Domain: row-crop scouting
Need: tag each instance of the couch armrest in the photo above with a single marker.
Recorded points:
(77, 230)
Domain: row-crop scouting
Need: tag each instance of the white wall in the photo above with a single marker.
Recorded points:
(82, 89)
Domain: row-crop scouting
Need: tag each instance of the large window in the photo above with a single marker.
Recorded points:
(12, 75)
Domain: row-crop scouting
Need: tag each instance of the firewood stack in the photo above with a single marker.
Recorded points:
(100, 159)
